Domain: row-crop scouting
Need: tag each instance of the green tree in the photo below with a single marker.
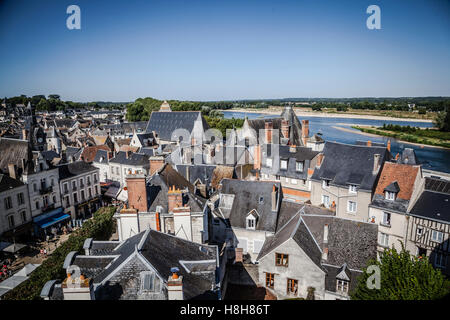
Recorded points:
(442, 120)
(402, 277)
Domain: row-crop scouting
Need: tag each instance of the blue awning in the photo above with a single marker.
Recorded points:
(60, 216)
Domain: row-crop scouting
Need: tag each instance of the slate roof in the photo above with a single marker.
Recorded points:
(295, 132)
(49, 155)
(8, 183)
(73, 152)
(351, 245)
(331, 278)
(73, 169)
(247, 198)
(12, 151)
(101, 156)
(345, 164)
(202, 172)
(434, 202)
(148, 151)
(162, 252)
(143, 136)
(127, 127)
(351, 242)
(164, 123)
(158, 185)
(134, 159)
(408, 156)
(302, 154)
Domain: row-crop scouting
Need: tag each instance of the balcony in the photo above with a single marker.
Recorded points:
(48, 208)
(45, 190)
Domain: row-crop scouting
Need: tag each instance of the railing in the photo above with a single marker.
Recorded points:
(45, 190)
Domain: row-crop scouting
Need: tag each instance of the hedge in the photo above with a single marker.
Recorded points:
(99, 227)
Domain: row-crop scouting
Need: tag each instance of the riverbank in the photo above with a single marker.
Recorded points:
(405, 137)
(301, 112)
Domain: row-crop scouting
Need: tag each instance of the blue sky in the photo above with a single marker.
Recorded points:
(224, 49)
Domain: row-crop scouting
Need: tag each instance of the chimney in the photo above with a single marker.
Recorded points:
(187, 173)
(238, 255)
(325, 253)
(389, 145)
(325, 233)
(319, 160)
(293, 148)
(175, 198)
(305, 131)
(369, 143)
(137, 192)
(182, 222)
(127, 154)
(175, 285)
(285, 128)
(157, 220)
(268, 127)
(77, 288)
(257, 162)
(274, 198)
(12, 170)
(24, 134)
(156, 163)
(376, 162)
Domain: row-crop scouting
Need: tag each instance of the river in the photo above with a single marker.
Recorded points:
(431, 158)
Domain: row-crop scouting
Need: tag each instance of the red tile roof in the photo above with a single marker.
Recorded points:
(404, 174)
(88, 154)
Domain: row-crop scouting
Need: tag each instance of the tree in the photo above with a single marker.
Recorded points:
(442, 120)
(402, 277)
(54, 96)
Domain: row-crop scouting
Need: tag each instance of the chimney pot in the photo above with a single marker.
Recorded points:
(369, 143)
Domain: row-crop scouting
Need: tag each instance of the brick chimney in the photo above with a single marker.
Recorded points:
(376, 162)
(325, 253)
(238, 255)
(305, 131)
(175, 285)
(137, 192)
(274, 198)
(175, 198)
(319, 159)
(77, 288)
(257, 162)
(389, 145)
(285, 128)
(156, 163)
(268, 128)
(12, 170)
(127, 154)
(293, 148)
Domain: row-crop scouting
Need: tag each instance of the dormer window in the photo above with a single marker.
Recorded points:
(299, 165)
(149, 282)
(389, 195)
(325, 183)
(251, 222)
(342, 287)
(283, 164)
(352, 188)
